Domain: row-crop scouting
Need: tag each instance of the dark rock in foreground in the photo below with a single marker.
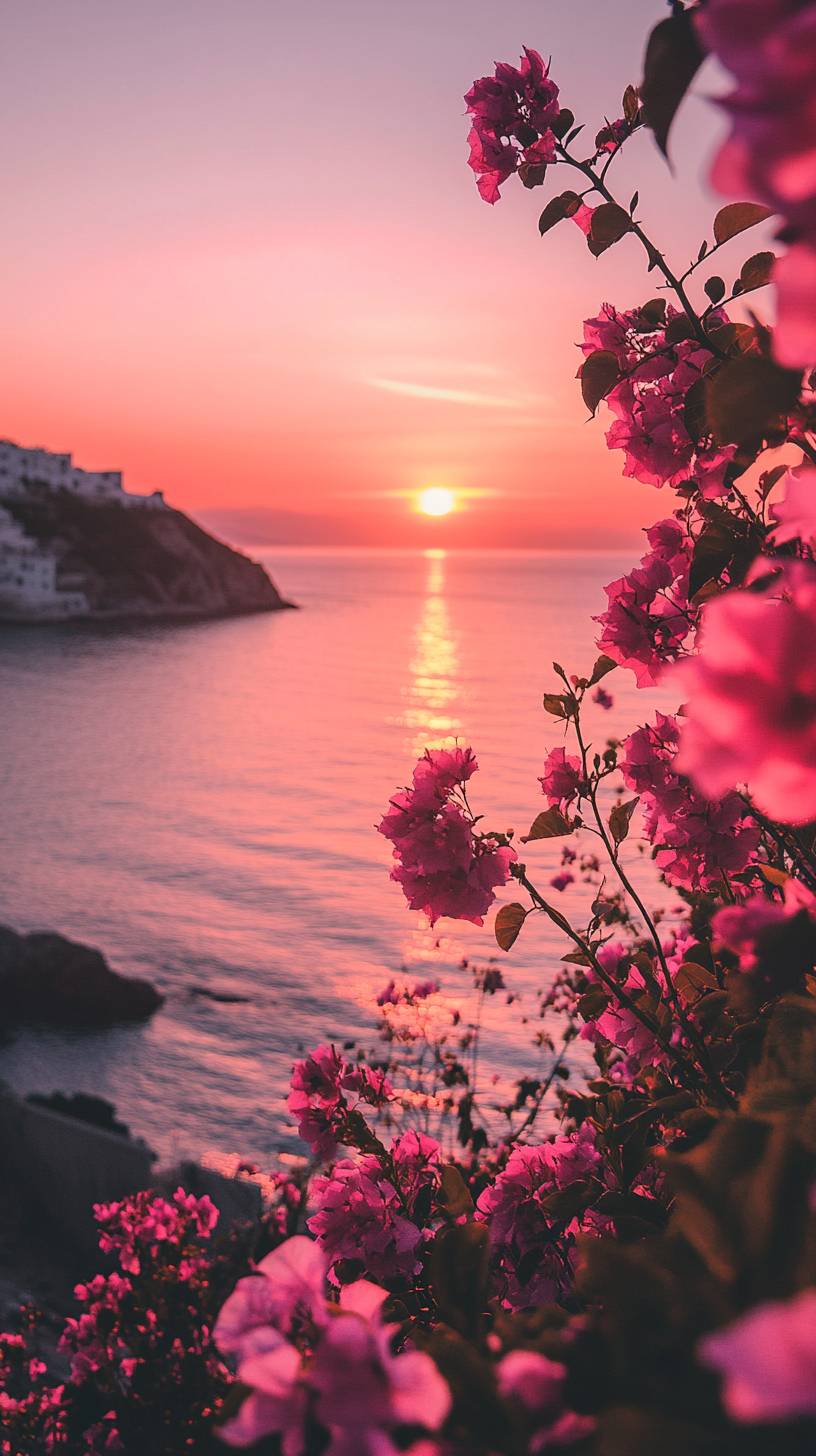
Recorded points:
(48, 979)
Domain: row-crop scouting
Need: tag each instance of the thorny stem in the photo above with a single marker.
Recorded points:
(788, 840)
(618, 992)
(688, 1026)
(656, 258)
(569, 1035)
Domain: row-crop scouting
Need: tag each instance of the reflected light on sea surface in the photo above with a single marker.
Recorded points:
(432, 688)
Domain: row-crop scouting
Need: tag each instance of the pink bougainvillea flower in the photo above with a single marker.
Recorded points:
(276, 1405)
(290, 1282)
(532, 1379)
(769, 155)
(649, 616)
(695, 839)
(561, 779)
(751, 714)
(768, 1360)
(513, 113)
(444, 868)
(362, 1388)
(795, 514)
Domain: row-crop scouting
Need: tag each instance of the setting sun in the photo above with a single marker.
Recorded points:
(436, 501)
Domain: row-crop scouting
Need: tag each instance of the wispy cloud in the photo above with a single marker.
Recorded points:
(472, 397)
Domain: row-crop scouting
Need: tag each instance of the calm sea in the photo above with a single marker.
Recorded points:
(199, 802)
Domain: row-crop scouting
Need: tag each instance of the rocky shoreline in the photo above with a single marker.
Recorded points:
(48, 979)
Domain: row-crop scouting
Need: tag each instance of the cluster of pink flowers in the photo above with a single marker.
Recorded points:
(751, 687)
(649, 399)
(649, 616)
(135, 1227)
(513, 113)
(770, 49)
(444, 868)
(322, 1372)
(696, 839)
(318, 1100)
(366, 1214)
(532, 1249)
(773, 939)
(34, 1419)
(617, 1024)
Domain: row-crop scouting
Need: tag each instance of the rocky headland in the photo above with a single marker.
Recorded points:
(114, 562)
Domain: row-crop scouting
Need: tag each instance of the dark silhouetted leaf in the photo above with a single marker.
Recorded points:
(557, 704)
(651, 314)
(695, 418)
(746, 398)
(757, 271)
(715, 288)
(609, 223)
(620, 818)
(679, 328)
(693, 981)
(508, 923)
(631, 105)
(735, 217)
(458, 1271)
(550, 824)
(564, 205)
(599, 373)
(563, 123)
(673, 57)
(603, 665)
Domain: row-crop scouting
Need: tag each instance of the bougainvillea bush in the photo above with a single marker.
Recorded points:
(625, 1262)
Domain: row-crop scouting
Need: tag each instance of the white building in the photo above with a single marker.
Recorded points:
(29, 580)
(26, 472)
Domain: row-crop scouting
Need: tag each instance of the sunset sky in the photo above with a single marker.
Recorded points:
(244, 260)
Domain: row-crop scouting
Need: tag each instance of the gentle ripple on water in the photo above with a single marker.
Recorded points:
(199, 802)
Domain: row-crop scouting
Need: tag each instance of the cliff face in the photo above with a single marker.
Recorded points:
(139, 562)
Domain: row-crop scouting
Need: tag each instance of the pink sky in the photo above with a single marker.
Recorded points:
(243, 259)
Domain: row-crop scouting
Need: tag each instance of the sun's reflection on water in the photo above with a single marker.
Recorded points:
(432, 691)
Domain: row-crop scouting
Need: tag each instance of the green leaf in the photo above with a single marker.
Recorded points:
(508, 923)
(549, 824)
(621, 818)
(557, 209)
(673, 57)
(747, 397)
(599, 373)
(736, 217)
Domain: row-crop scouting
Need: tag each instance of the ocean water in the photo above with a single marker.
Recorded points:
(199, 802)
